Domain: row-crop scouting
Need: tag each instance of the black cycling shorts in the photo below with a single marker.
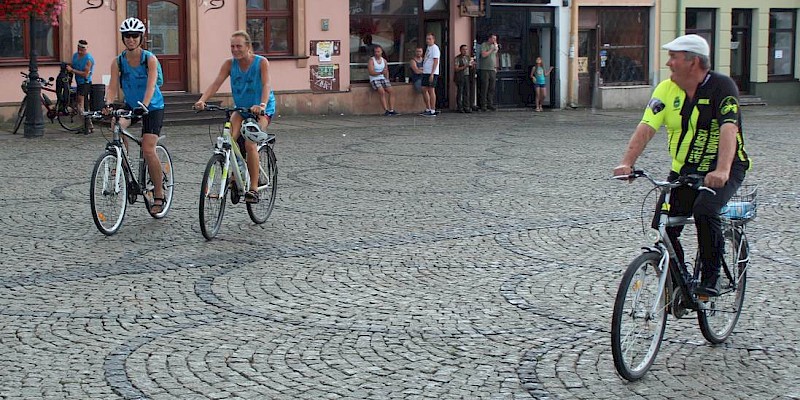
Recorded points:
(151, 123)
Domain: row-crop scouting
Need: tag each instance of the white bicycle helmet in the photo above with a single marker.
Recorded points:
(252, 131)
(132, 25)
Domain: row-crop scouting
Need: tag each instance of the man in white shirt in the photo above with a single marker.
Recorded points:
(430, 74)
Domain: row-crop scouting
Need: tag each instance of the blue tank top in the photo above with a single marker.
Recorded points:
(134, 83)
(539, 75)
(80, 64)
(246, 86)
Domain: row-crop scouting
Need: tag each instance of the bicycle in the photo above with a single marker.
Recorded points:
(219, 178)
(67, 115)
(657, 283)
(114, 183)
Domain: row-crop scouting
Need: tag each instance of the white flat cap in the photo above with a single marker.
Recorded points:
(692, 43)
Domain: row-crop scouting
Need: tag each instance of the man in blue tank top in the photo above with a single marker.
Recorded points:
(82, 67)
(138, 83)
(250, 84)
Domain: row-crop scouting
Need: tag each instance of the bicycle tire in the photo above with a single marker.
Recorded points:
(108, 199)
(72, 120)
(167, 183)
(717, 322)
(267, 185)
(641, 278)
(20, 117)
(212, 206)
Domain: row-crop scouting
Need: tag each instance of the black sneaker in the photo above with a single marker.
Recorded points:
(387, 113)
(706, 288)
(425, 113)
(393, 112)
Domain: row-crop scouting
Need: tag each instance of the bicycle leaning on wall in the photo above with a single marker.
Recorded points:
(66, 113)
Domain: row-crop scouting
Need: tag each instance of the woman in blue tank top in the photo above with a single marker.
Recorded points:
(251, 88)
(136, 72)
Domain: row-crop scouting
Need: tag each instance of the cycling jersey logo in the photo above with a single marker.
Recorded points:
(655, 105)
(677, 102)
(729, 105)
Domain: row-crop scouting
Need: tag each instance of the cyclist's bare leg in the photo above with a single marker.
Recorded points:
(123, 125)
(149, 142)
(250, 147)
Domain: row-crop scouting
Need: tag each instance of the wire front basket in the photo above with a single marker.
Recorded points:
(743, 205)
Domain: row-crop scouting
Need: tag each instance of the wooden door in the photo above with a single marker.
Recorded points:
(166, 38)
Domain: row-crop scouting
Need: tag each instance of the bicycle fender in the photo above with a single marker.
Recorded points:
(652, 249)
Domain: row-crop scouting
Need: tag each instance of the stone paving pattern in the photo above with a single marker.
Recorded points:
(456, 257)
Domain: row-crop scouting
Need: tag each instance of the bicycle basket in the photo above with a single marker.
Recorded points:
(25, 86)
(743, 205)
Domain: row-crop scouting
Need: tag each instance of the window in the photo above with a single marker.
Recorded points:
(398, 27)
(780, 62)
(15, 41)
(269, 23)
(623, 47)
(702, 22)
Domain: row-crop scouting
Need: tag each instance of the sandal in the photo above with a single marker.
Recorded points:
(251, 197)
(158, 205)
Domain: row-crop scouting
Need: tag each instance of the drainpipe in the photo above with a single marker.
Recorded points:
(678, 19)
(572, 78)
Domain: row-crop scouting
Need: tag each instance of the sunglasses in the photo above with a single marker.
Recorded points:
(131, 35)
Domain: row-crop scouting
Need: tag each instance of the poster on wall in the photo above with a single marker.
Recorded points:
(333, 46)
(324, 77)
(473, 8)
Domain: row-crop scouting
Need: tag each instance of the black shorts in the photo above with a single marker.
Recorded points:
(83, 89)
(426, 82)
(151, 123)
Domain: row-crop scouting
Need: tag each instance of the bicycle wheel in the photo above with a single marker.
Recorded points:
(267, 185)
(108, 194)
(718, 321)
(639, 318)
(212, 204)
(167, 183)
(71, 119)
(20, 117)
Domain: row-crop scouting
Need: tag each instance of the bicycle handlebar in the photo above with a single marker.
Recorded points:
(693, 181)
(119, 112)
(212, 107)
(41, 80)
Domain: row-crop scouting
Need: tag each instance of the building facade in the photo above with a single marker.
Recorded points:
(606, 53)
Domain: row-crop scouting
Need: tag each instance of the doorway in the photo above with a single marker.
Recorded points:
(166, 38)
(740, 48)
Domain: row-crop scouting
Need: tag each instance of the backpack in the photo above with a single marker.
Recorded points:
(145, 54)
(63, 83)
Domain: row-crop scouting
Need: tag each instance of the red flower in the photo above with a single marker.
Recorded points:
(47, 10)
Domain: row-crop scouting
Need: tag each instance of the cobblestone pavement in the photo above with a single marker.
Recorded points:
(462, 256)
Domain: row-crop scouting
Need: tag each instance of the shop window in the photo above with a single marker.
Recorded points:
(15, 41)
(623, 47)
(269, 23)
(702, 22)
(394, 25)
(780, 64)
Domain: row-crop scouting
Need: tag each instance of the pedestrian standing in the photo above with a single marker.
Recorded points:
(539, 76)
(487, 73)
(82, 67)
(430, 74)
(461, 77)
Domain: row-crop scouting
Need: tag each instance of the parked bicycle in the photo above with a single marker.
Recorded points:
(67, 114)
(114, 183)
(226, 172)
(657, 283)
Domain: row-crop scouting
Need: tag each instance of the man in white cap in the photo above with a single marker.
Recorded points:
(700, 110)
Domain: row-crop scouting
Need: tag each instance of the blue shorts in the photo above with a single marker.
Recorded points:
(539, 85)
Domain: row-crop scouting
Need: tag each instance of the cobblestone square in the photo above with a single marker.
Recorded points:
(451, 257)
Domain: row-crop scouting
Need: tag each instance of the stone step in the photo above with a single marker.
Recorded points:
(178, 111)
(751, 100)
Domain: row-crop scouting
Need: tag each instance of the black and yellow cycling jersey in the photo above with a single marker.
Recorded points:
(693, 127)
